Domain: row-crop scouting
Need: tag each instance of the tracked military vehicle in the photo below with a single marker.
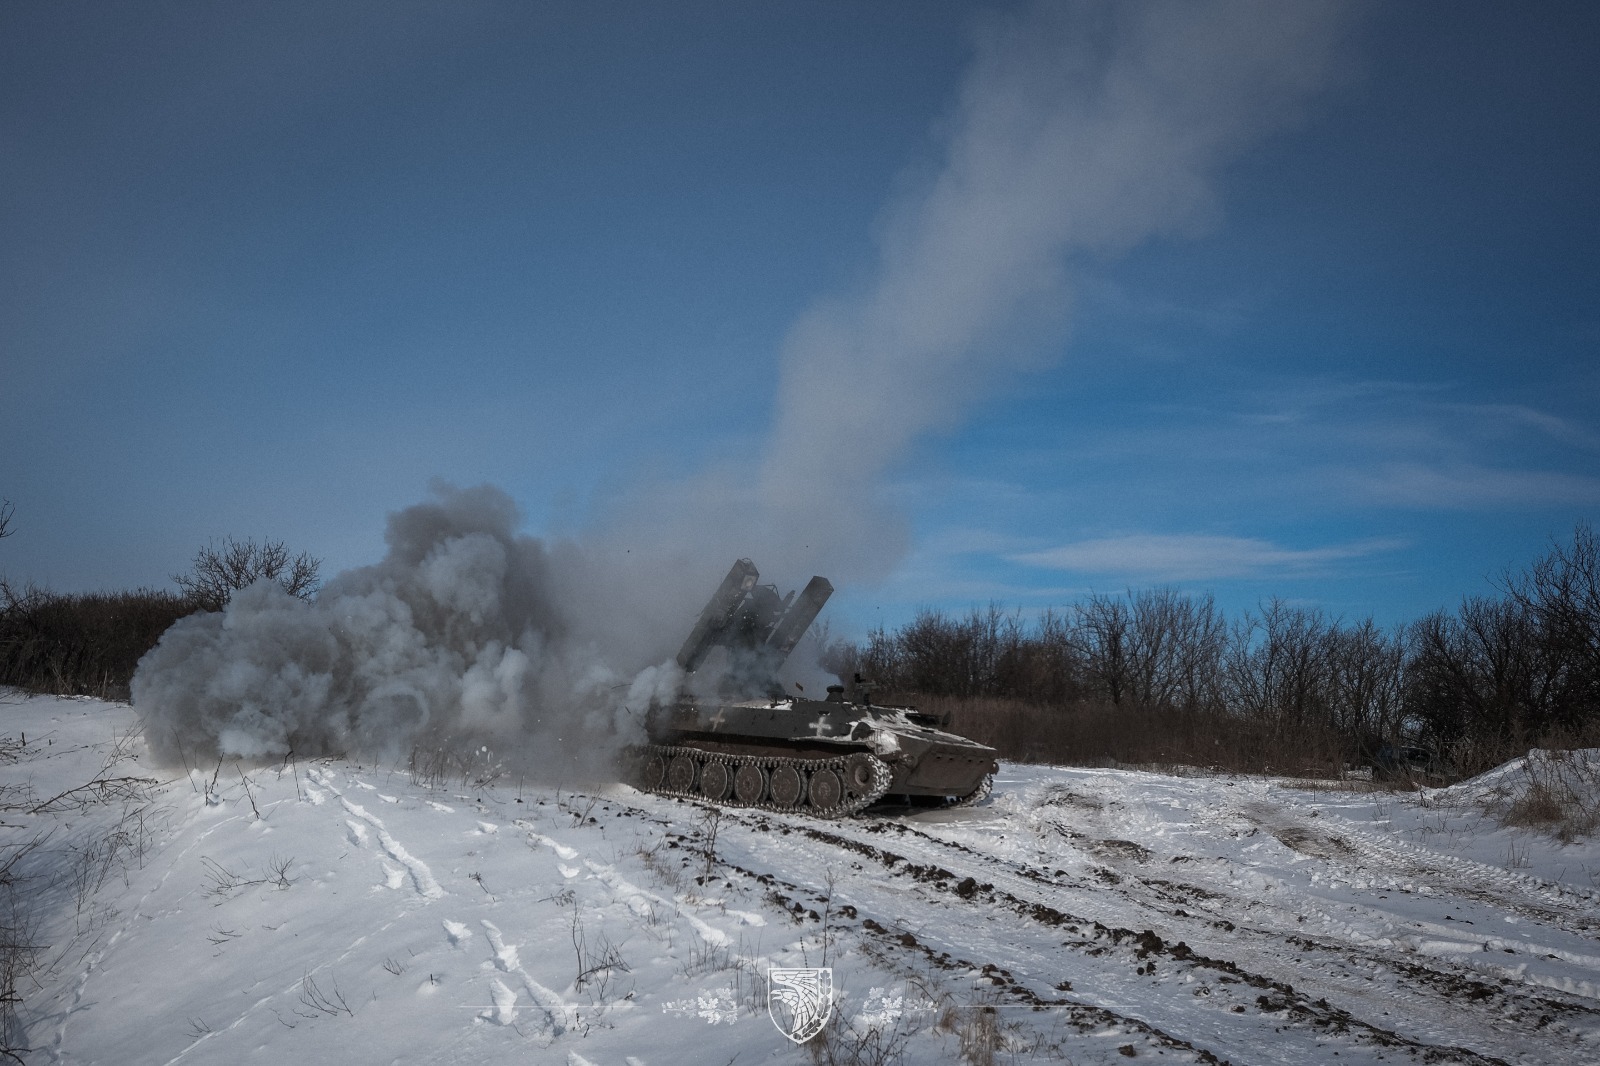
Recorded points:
(755, 745)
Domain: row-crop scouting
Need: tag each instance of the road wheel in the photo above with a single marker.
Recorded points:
(826, 789)
(749, 783)
(787, 786)
(655, 771)
(680, 775)
(715, 780)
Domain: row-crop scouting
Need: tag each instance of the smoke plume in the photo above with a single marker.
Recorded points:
(465, 634)
(1080, 130)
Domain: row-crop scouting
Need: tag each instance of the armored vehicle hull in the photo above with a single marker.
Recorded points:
(827, 758)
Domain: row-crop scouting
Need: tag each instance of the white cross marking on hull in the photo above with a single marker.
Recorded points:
(820, 727)
(720, 719)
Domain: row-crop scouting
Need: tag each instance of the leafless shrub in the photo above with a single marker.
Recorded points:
(976, 1028)
(44, 858)
(710, 822)
(577, 806)
(827, 933)
(104, 854)
(320, 1004)
(20, 949)
(220, 936)
(437, 764)
(598, 962)
(844, 1043)
(706, 957)
(225, 883)
(100, 790)
(219, 571)
(664, 871)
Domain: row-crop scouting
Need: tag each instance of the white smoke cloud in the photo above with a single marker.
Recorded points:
(1081, 129)
(465, 633)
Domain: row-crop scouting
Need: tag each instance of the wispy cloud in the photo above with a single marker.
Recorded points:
(1196, 557)
(1520, 416)
(1468, 486)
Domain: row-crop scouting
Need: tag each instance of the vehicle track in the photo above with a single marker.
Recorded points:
(1139, 939)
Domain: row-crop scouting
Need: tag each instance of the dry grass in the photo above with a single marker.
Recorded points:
(80, 644)
(1556, 792)
(1094, 733)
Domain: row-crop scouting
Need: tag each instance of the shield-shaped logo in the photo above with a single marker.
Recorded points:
(800, 1000)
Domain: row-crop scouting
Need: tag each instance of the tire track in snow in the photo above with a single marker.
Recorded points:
(1105, 949)
(1272, 912)
(1326, 964)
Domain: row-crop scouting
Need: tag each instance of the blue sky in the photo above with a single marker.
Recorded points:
(1241, 301)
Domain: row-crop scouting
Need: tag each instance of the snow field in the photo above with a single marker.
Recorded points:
(333, 911)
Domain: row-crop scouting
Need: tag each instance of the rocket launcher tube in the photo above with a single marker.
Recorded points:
(719, 613)
(798, 618)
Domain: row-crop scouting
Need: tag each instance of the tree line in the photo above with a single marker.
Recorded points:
(1152, 675)
(88, 644)
(1162, 675)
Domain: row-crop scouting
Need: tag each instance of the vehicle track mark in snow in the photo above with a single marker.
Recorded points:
(504, 1011)
(358, 832)
(361, 812)
(552, 1008)
(457, 933)
(638, 901)
(421, 876)
(561, 850)
(1106, 949)
(393, 877)
(441, 807)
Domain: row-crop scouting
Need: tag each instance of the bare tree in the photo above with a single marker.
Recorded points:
(220, 571)
(1107, 627)
(1277, 666)
(6, 511)
(1560, 592)
(1367, 673)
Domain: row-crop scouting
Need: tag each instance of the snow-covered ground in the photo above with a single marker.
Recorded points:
(338, 912)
